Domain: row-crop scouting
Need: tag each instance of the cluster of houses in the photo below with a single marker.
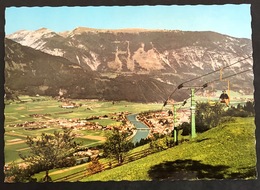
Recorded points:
(30, 125)
(67, 104)
(86, 156)
(162, 122)
(77, 124)
(126, 126)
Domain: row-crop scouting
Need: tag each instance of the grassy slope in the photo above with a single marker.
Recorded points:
(227, 151)
(58, 173)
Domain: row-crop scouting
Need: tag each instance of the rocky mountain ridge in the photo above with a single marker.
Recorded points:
(161, 57)
(138, 51)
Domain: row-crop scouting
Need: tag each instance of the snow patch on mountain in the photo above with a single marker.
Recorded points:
(232, 39)
(161, 80)
(55, 51)
(95, 62)
(149, 60)
(92, 62)
(78, 59)
(32, 39)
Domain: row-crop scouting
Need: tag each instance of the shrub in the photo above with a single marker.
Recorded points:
(208, 116)
(186, 129)
(18, 174)
(241, 111)
(142, 142)
(94, 166)
(158, 145)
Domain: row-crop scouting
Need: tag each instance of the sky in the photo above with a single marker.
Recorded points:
(232, 20)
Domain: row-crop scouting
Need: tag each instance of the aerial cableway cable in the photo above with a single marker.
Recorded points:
(185, 101)
(223, 78)
(206, 85)
(215, 71)
(181, 85)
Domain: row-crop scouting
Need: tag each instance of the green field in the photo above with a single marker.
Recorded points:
(19, 112)
(225, 152)
(210, 155)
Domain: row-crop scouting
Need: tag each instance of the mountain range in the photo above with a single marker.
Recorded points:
(128, 64)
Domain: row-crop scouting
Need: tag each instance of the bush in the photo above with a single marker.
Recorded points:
(142, 142)
(161, 144)
(18, 174)
(208, 116)
(186, 129)
(67, 162)
(241, 111)
(169, 142)
(94, 166)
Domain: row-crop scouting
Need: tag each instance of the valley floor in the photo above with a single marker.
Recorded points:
(211, 155)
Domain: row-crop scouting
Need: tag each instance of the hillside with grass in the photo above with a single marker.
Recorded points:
(224, 152)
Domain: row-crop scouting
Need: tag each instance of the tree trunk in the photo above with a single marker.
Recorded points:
(47, 178)
(120, 159)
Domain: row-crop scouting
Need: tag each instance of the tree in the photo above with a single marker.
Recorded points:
(186, 128)
(116, 145)
(241, 111)
(16, 173)
(208, 116)
(249, 107)
(51, 151)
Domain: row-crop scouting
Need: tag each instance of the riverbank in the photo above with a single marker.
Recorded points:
(142, 130)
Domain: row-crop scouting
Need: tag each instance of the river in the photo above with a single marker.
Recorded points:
(140, 134)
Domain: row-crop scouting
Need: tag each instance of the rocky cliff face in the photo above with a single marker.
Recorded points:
(156, 59)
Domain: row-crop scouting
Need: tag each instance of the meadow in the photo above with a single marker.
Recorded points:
(211, 155)
(225, 152)
(19, 112)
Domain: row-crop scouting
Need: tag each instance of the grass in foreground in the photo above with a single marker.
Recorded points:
(225, 152)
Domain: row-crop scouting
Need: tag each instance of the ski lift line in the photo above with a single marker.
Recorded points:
(185, 101)
(215, 71)
(205, 85)
(237, 73)
(169, 96)
(189, 87)
(165, 103)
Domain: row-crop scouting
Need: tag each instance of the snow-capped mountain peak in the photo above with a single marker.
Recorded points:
(34, 39)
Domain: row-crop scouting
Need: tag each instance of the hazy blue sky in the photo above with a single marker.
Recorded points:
(233, 20)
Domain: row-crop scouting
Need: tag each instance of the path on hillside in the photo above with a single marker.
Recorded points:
(15, 134)
(100, 138)
(67, 169)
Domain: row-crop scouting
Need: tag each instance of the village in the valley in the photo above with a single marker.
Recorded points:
(158, 122)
